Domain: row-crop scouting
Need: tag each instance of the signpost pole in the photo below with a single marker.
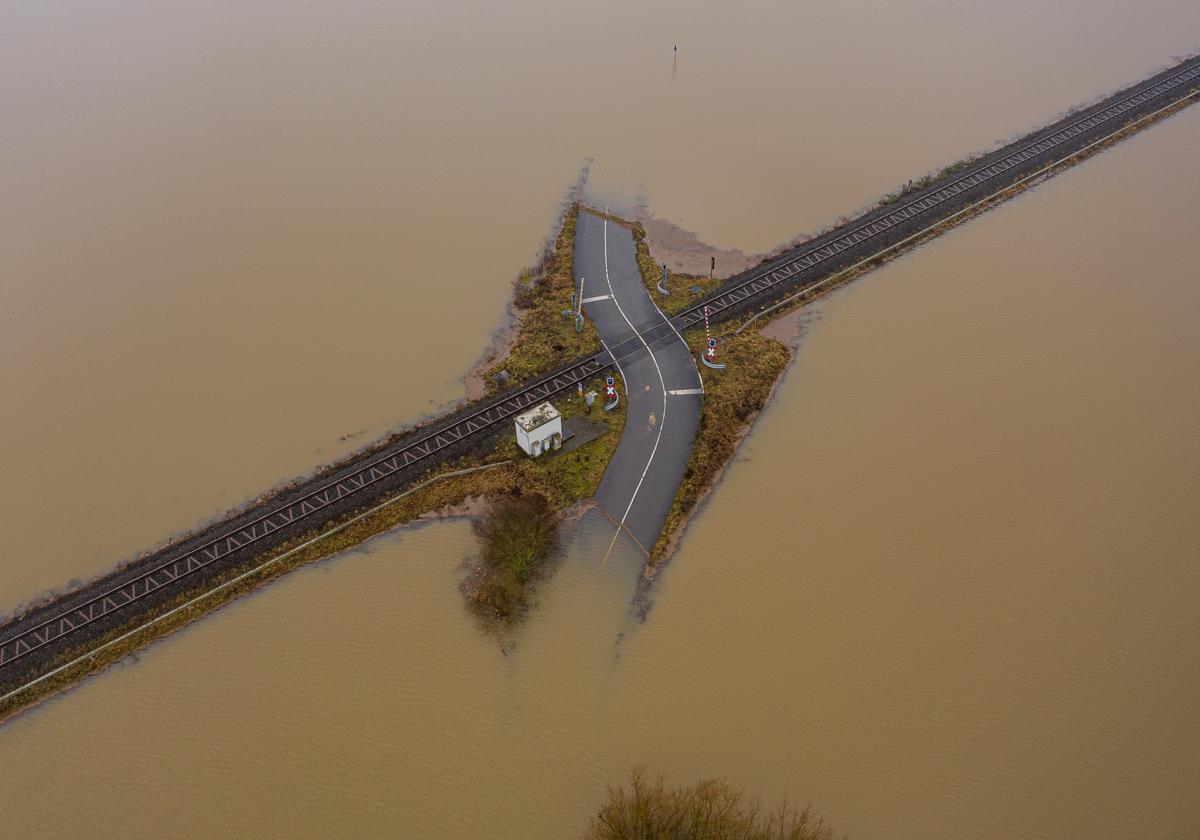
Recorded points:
(709, 356)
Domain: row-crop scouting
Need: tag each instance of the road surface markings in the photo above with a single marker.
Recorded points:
(699, 378)
(683, 392)
(596, 298)
(662, 381)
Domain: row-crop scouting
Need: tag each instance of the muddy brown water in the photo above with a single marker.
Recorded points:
(947, 589)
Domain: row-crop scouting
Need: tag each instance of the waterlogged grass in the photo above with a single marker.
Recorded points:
(921, 183)
(563, 479)
(679, 286)
(732, 399)
(518, 534)
(545, 337)
(711, 809)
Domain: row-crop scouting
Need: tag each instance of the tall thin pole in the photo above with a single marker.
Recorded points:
(579, 309)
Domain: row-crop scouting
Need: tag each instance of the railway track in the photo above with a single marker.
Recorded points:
(985, 175)
(258, 531)
(878, 229)
(45, 629)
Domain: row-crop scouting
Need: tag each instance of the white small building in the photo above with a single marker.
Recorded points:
(539, 430)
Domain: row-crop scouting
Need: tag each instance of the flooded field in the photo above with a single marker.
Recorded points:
(235, 235)
(947, 590)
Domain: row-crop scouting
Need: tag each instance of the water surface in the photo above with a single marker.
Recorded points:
(947, 590)
(235, 234)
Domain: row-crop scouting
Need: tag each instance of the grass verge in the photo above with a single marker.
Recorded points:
(545, 337)
(679, 286)
(562, 479)
(732, 399)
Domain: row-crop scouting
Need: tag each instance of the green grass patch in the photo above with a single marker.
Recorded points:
(563, 479)
(921, 183)
(545, 337)
(732, 398)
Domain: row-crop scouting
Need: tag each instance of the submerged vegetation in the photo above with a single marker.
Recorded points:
(732, 399)
(518, 538)
(711, 809)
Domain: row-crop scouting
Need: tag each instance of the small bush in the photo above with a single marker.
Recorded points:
(712, 809)
(518, 536)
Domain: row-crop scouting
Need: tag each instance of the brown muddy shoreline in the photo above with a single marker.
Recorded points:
(786, 324)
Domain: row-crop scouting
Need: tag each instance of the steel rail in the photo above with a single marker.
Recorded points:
(788, 266)
(760, 284)
(145, 583)
(149, 581)
(208, 593)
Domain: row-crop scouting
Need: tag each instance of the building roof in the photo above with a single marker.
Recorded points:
(537, 417)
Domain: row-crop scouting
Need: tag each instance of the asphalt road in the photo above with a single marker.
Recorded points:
(644, 474)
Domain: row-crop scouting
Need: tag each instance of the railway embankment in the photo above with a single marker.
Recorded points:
(454, 469)
(757, 351)
(451, 458)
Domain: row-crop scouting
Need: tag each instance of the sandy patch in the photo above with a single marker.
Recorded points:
(789, 327)
(684, 253)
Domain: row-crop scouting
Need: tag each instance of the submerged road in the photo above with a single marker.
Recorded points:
(662, 386)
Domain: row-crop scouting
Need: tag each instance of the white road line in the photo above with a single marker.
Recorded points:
(683, 392)
(695, 367)
(662, 423)
(624, 381)
(596, 298)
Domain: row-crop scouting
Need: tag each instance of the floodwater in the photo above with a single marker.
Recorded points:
(236, 233)
(947, 590)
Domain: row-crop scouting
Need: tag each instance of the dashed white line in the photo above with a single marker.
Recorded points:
(662, 382)
(695, 367)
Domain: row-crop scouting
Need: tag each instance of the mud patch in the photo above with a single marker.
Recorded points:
(684, 253)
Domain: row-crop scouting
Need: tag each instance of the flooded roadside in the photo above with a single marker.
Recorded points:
(945, 590)
(241, 242)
